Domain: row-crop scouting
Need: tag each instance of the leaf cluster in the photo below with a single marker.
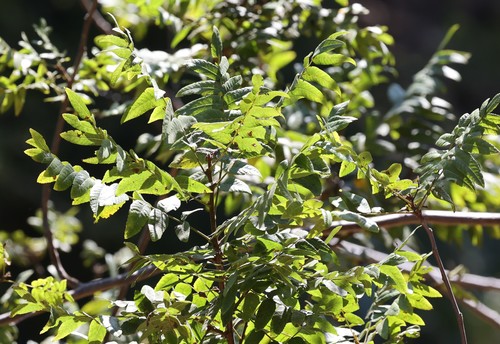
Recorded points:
(275, 155)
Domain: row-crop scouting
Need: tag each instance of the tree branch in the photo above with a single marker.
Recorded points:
(437, 217)
(97, 17)
(56, 141)
(444, 276)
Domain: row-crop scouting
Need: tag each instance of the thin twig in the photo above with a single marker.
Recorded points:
(219, 256)
(56, 140)
(97, 17)
(444, 276)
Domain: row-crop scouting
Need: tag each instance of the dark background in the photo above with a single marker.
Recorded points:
(417, 26)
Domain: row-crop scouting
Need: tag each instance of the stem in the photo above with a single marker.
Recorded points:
(98, 19)
(219, 256)
(444, 276)
(56, 141)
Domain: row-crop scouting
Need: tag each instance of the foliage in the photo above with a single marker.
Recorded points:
(285, 159)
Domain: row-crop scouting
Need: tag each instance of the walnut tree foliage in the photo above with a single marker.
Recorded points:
(270, 163)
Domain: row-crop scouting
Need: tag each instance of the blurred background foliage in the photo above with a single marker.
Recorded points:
(417, 27)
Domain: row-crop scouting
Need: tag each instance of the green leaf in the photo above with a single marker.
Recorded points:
(336, 122)
(169, 204)
(346, 167)
(327, 45)
(264, 98)
(80, 138)
(232, 84)
(265, 313)
(175, 129)
(355, 202)
(231, 184)
(144, 102)
(78, 104)
(117, 73)
(208, 108)
(314, 74)
(492, 104)
(69, 323)
(137, 218)
(159, 111)
(38, 141)
(182, 231)
(203, 67)
(250, 304)
(86, 126)
(157, 224)
(264, 112)
(353, 319)
(333, 59)
(203, 87)
(395, 274)
(362, 221)
(191, 185)
(280, 319)
(105, 41)
(27, 308)
(216, 46)
(412, 318)
(82, 183)
(304, 89)
(65, 178)
(97, 332)
(54, 167)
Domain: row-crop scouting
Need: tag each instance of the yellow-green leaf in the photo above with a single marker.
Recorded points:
(78, 104)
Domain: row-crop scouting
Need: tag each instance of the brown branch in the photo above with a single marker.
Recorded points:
(437, 217)
(482, 311)
(56, 141)
(97, 17)
(219, 256)
(90, 288)
(444, 276)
